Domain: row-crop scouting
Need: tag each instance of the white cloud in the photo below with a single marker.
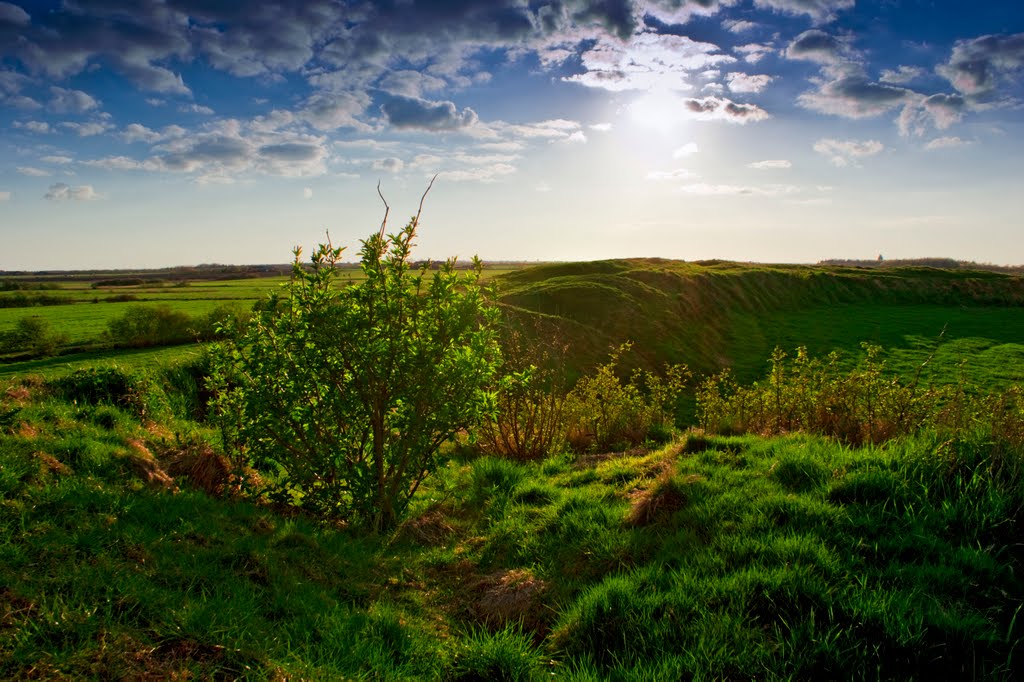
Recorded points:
(390, 165)
(32, 172)
(686, 150)
(121, 163)
(63, 192)
(88, 129)
(978, 66)
(136, 132)
(196, 109)
(946, 143)
(819, 10)
(854, 96)
(845, 152)
(706, 189)
(739, 25)
(40, 127)
(57, 159)
(649, 61)
(723, 109)
(601, 127)
(741, 82)
(330, 111)
(677, 174)
(65, 101)
(14, 15)
(307, 193)
(770, 164)
(754, 52)
(901, 75)
(481, 174)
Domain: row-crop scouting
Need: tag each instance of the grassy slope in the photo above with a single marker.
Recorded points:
(722, 314)
(779, 558)
(728, 558)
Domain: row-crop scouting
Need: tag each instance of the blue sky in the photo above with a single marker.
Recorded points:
(171, 132)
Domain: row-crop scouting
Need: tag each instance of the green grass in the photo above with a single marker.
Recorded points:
(711, 558)
(988, 338)
(127, 358)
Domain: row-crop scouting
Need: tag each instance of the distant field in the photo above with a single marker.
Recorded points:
(90, 305)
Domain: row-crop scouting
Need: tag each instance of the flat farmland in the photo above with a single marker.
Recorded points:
(81, 306)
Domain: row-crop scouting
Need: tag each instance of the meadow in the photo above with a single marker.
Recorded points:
(130, 548)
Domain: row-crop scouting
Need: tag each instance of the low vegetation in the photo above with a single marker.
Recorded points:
(846, 516)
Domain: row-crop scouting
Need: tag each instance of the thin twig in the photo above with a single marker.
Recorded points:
(416, 220)
(387, 209)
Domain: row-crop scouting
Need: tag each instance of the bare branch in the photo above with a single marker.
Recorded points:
(387, 209)
(416, 220)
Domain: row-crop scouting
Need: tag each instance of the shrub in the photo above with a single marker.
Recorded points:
(862, 405)
(142, 326)
(97, 386)
(530, 399)
(603, 413)
(349, 392)
(32, 335)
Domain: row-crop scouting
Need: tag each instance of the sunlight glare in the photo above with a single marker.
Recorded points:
(659, 111)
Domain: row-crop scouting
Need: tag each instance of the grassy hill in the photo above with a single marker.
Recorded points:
(128, 552)
(716, 314)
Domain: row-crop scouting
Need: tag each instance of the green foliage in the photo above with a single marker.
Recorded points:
(865, 404)
(32, 335)
(348, 392)
(111, 386)
(143, 326)
(604, 413)
(530, 397)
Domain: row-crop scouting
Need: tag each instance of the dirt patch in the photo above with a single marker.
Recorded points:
(511, 596)
(27, 431)
(19, 395)
(53, 465)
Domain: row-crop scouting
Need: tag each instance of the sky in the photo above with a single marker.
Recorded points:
(151, 133)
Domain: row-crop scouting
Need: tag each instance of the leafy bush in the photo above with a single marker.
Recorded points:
(226, 319)
(528, 422)
(142, 326)
(861, 405)
(349, 392)
(32, 335)
(603, 413)
(98, 386)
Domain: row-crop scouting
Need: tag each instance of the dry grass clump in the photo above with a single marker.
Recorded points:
(667, 495)
(202, 467)
(430, 528)
(146, 467)
(510, 596)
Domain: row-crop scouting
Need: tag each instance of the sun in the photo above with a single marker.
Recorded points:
(658, 111)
